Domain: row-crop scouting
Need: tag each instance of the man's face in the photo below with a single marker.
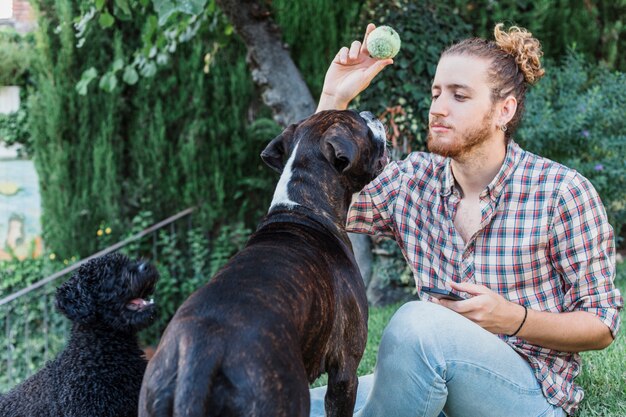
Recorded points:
(461, 111)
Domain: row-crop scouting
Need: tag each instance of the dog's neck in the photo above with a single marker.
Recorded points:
(96, 334)
(307, 215)
(301, 188)
(309, 219)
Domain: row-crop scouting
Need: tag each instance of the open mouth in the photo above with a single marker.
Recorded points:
(139, 304)
(143, 285)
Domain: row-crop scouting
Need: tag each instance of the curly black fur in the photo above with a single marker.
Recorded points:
(100, 370)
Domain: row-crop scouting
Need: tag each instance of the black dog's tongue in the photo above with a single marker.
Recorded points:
(138, 304)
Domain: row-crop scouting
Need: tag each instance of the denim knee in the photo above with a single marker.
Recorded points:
(417, 321)
(413, 334)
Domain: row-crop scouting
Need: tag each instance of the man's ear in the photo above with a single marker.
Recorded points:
(274, 153)
(508, 109)
(339, 151)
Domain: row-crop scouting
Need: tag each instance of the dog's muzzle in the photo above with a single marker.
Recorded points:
(375, 126)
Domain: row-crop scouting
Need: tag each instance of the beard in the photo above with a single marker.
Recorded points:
(462, 143)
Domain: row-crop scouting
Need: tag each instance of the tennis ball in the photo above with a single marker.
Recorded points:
(383, 42)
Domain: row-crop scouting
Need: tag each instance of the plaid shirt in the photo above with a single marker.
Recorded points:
(544, 242)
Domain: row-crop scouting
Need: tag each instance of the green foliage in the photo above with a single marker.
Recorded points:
(227, 242)
(15, 61)
(596, 27)
(14, 128)
(32, 331)
(164, 24)
(575, 116)
(390, 266)
(401, 94)
(177, 140)
(315, 31)
(15, 57)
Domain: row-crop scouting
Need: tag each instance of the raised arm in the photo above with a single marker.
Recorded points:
(351, 72)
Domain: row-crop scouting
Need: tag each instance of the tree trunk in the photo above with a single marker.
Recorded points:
(282, 87)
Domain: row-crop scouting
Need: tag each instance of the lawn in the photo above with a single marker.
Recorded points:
(603, 373)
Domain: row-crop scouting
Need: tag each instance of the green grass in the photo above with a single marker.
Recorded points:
(603, 375)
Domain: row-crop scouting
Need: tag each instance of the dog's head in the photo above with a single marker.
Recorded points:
(110, 291)
(353, 144)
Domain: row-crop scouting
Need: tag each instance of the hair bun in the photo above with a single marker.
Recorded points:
(525, 49)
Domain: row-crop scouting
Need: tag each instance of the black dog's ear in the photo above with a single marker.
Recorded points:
(274, 153)
(339, 151)
(76, 303)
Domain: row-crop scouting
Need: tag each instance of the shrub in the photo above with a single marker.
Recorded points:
(575, 116)
(15, 61)
(333, 25)
(32, 330)
(595, 27)
(15, 57)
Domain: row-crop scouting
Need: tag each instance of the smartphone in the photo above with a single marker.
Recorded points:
(442, 294)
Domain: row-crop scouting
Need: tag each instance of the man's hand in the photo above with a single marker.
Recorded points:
(486, 308)
(351, 72)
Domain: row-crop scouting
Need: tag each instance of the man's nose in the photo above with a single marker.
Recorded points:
(439, 107)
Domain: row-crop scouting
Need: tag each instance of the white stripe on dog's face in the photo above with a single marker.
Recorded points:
(375, 126)
(281, 194)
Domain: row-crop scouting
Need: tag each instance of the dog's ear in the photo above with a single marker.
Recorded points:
(339, 151)
(274, 153)
(76, 303)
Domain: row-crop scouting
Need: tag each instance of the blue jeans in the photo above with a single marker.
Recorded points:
(432, 361)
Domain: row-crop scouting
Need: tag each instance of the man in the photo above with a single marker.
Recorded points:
(525, 240)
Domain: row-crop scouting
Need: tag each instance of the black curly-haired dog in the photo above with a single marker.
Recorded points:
(99, 372)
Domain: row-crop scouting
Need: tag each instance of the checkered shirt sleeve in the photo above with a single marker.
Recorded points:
(583, 252)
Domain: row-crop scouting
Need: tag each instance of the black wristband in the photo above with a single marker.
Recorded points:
(523, 321)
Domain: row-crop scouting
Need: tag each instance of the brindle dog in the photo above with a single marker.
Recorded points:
(291, 305)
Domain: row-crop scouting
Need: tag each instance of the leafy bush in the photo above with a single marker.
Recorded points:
(15, 61)
(334, 25)
(15, 57)
(595, 27)
(14, 127)
(33, 330)
(175, 140)
(575, 116)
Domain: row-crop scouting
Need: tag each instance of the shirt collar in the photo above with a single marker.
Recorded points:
(494, 189)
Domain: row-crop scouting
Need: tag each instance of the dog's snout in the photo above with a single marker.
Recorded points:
(375, 125)
(367, 115)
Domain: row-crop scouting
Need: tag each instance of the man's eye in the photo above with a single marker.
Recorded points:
(460, 97)
(434, 97)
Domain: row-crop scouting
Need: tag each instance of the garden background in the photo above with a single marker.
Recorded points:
(134, 110)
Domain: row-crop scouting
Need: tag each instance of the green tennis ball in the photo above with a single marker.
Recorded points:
(383, 42)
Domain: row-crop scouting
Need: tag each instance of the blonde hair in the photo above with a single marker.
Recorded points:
(526, 50)
(515, 64)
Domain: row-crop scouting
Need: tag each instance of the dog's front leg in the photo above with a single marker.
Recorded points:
(342, 386)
